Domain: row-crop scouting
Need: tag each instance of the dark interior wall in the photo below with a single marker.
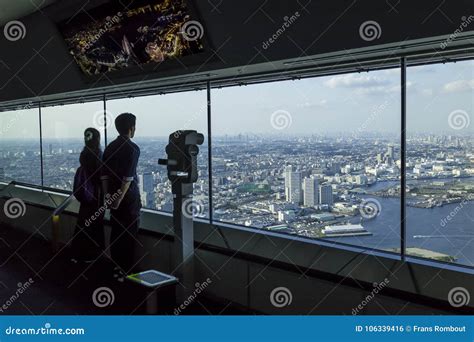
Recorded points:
(248, 282)
(40, 65)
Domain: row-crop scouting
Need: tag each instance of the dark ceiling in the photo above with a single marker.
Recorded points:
(39, 65)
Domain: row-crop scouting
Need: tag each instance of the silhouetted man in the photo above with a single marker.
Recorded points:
(121, 188)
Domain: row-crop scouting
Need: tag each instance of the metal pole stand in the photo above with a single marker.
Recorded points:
(183, 247)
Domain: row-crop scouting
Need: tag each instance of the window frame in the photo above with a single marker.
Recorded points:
(404, 63)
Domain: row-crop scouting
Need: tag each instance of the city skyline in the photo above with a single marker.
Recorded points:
(357, 102)
(250, 190)
(344, 152)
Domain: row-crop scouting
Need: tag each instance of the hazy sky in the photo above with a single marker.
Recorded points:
(360, 102)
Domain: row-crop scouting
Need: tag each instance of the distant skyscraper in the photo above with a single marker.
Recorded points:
(390, 151)
(147, 189)
(148, 186)
(293, 185)
(2, 174)
(286, 173)
(311, 191)
(325, 194)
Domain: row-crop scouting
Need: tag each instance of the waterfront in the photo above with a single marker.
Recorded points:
(454, 237)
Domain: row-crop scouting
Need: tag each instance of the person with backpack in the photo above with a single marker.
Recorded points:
(88, 241)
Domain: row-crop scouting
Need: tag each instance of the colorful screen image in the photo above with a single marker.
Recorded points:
(117, 36)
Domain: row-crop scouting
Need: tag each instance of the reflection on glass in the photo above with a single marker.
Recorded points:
(157, 117)
(440, 162)
(317, 157)
(20, 146)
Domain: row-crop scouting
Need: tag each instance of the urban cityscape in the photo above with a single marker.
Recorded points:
(337, 187)
(317, 158)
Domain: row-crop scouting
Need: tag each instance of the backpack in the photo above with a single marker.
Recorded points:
(83, 188)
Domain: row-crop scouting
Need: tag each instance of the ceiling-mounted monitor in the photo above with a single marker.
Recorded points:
(121, 35)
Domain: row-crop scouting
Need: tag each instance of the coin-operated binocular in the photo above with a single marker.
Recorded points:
(182, 151)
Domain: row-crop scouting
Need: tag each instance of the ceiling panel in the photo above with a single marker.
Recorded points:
(16, 9)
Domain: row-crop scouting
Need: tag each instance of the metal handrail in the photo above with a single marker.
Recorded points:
(55, 229)
(6, 189)
(55, 218)
(59, 210)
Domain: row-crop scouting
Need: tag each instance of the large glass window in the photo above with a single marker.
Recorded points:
(317, 157)
(157, 117)
(20, 158)
(440, 162)
(63, 139)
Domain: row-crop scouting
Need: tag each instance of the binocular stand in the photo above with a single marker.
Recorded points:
(182, 154)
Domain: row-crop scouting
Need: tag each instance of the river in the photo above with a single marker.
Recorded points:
(454, 237)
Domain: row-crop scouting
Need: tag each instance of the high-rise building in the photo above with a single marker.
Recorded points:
(148, 186)
(286, 173)
(140, 183)
(311, 191)
(325, 194)
(390, 151)
(293, 191)
(2, 174)
(147, 189)
(288, 169)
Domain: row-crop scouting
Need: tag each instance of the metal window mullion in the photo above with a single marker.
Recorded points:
(403, 160)
(105, 119)
(41, 145)
(209, 152)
